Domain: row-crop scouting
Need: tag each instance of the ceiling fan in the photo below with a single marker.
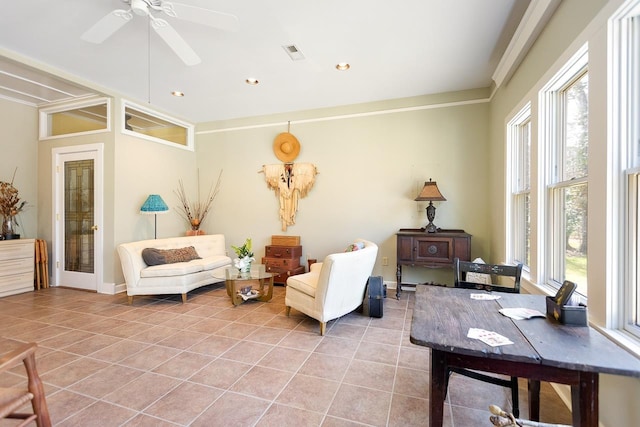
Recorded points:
(115, 19)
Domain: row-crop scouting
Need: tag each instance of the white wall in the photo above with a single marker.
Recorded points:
(18, 149)
(371, 168)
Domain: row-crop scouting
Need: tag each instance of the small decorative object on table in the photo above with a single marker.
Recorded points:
(196, 212)
(565, 309)
(245, 257)
(10, 206)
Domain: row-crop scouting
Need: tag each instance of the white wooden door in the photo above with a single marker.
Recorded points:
(78, 217)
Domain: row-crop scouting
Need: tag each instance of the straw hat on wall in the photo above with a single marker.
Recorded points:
(286, 147)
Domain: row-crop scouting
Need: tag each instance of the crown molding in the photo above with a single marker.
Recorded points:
(534, 20)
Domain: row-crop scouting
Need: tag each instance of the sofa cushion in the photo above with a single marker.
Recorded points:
(153, 256)
(174, 269)
(213, 262)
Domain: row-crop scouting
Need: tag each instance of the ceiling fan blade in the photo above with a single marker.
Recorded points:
(105, 27)
(175, 41)
(199, 15)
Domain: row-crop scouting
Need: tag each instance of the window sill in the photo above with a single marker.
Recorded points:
(622, 338)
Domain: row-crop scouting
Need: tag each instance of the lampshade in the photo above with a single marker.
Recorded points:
(154, 205)
(430, 193)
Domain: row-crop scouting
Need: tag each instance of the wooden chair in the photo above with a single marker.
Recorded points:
(471, 275)
(12, 399)
(464, 269)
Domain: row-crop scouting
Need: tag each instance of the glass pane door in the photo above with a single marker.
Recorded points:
(79, 218)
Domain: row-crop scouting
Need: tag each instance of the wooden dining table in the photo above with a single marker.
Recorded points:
(542, 349)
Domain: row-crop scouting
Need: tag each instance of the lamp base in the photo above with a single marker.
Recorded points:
(431, 228)
(431, 215)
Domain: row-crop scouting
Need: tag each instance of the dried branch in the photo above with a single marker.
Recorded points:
(10, 204)
(195, 213)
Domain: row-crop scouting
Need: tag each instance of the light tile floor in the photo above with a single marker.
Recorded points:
(205, 363)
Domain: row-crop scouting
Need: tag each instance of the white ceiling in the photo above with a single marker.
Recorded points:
(396, 49)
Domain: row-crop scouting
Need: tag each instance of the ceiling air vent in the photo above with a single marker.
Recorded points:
(294, 53)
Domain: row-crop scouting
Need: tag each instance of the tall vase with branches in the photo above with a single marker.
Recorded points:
(10, 206)
(196, 212)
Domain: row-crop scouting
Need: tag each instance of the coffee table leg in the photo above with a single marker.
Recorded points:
(266, 283)
(438, 388)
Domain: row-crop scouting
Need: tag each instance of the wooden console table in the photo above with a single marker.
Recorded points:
(416, 247)
(16, 266)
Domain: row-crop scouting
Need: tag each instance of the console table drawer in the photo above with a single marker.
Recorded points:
(18, 248)
(16, 266)
(434, 250)
(16, 283)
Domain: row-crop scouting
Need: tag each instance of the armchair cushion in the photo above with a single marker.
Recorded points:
(307, 285)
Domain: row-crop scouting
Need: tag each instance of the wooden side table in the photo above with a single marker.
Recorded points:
(416, 247)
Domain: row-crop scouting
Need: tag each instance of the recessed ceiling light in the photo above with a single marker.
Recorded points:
(342, 66)
(177, 93)
(252, 81)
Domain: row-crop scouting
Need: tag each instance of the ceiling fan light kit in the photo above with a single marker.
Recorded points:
(139, 7)
(114, 20)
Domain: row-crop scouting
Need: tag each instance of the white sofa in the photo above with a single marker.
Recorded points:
(334, 287)
(175, 278)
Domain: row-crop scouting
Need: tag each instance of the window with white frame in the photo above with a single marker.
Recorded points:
(624, 87)
(564, 116)
(143, 122)
(519, 171)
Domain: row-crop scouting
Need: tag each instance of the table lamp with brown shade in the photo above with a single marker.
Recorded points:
(430, 193)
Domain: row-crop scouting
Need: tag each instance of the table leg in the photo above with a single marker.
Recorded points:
(438, 390)
(584, 400)
(534, 399)
(398, 280)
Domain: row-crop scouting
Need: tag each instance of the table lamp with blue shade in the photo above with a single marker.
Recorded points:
(154, 205)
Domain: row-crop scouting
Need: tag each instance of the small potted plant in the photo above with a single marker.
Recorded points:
(245, 256)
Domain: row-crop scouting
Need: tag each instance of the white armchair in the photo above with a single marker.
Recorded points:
(334, 287)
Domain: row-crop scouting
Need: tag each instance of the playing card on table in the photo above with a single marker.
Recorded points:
(484, 296)
(488, 337)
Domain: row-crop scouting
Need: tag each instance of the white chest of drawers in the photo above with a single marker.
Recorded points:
(16, 266)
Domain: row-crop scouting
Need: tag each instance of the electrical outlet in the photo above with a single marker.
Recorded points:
(385, 260)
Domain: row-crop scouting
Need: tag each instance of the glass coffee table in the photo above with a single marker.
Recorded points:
(254, 285)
